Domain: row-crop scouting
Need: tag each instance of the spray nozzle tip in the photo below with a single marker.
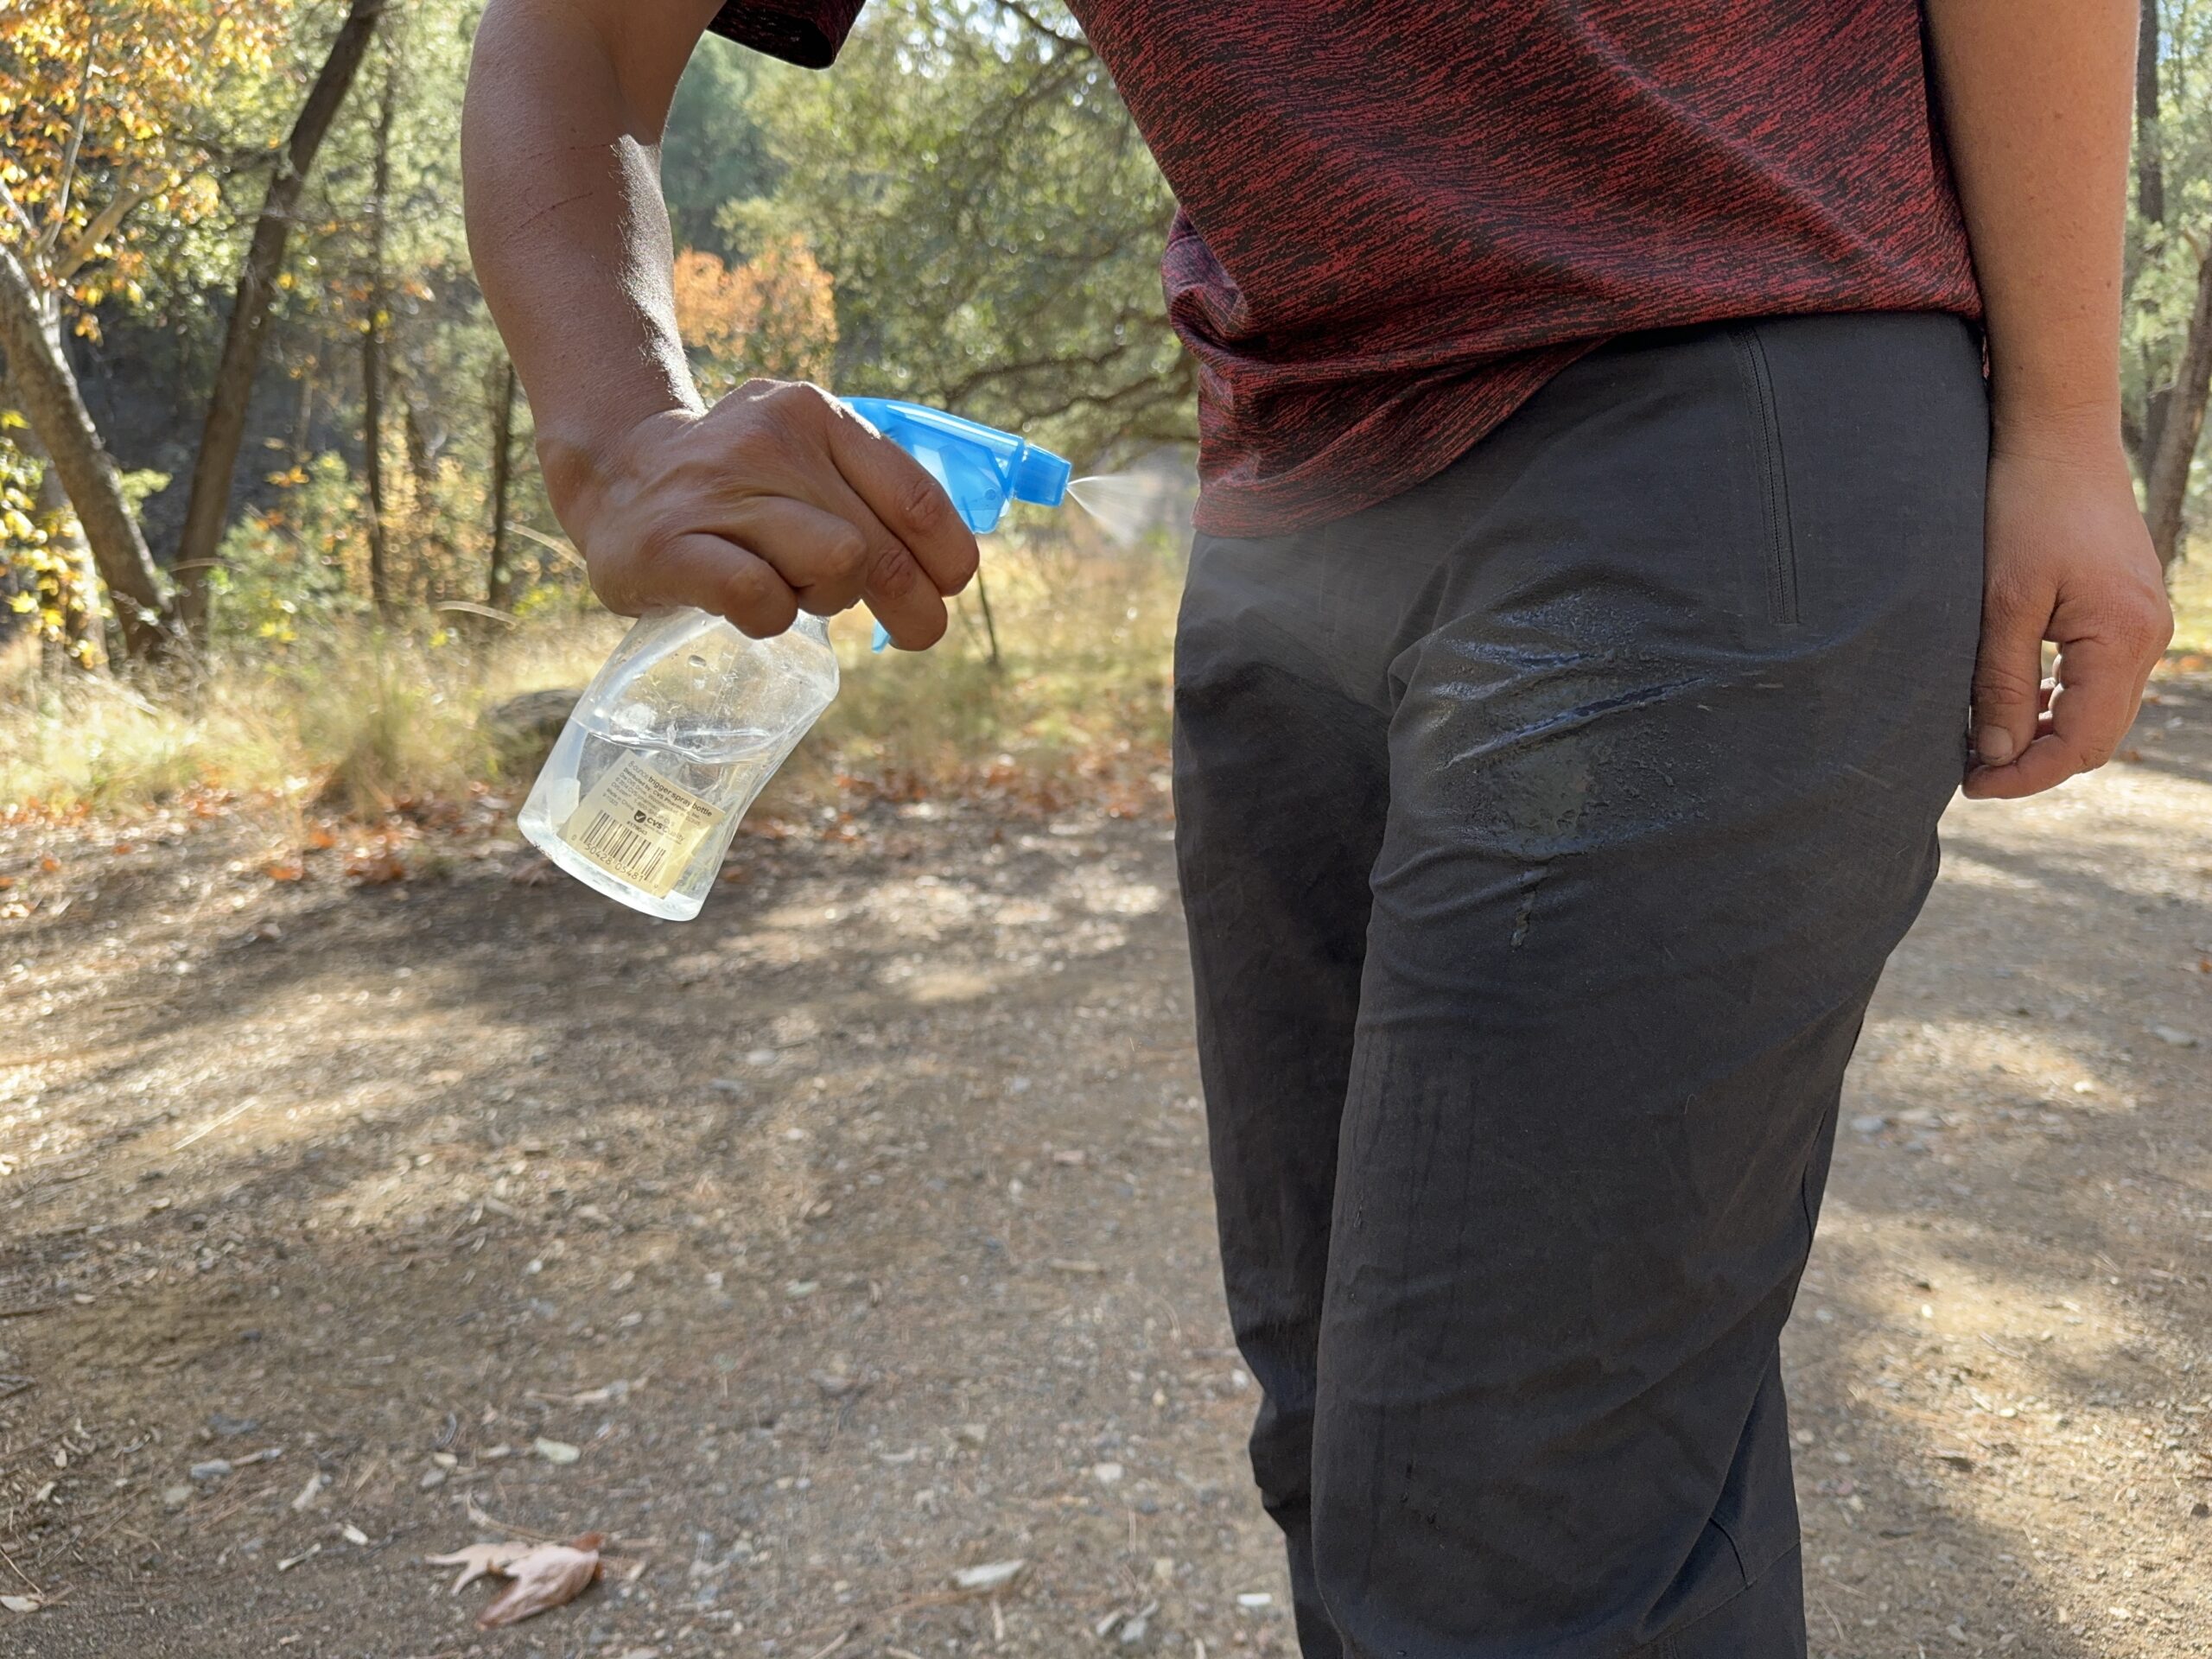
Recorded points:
(1039, 477)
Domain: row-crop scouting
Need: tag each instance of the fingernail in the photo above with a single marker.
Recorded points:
(1994, 746)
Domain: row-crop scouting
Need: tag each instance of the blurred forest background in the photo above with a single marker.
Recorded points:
(270, 516)
(269, 513)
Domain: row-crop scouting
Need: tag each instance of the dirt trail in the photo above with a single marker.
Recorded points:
(859, 1231)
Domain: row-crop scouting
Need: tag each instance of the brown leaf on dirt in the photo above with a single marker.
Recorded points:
(283, 869)
(549, 1576)
(480, 1561)
(377, 869)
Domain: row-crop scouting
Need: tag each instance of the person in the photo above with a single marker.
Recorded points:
(1632, 435)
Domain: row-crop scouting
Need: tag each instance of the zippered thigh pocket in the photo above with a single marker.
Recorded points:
(1771, 472)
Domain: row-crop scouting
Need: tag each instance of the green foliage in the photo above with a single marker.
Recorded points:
(990, 219)
(713, 150)
(284, 566)
(41, 580)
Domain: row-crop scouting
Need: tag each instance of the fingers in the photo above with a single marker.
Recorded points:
(2008, 673)
(777, 438)
(2091, 701)
(779, 500)
(821, 557)
(708, 572)
(928, 553)
(896, 588)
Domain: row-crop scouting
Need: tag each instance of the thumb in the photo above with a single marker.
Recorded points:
(2008, 675)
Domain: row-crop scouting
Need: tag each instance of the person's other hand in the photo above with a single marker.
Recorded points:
(2069, 561)
(779, 500)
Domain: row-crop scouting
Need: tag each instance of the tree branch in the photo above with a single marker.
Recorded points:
(24, 219)
(47, 243)
(1038, 26)
(103, 225)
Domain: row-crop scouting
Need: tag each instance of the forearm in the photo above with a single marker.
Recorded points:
(2035, 98)
(566, 223)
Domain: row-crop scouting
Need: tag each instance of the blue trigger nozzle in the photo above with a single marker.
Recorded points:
(979, 467)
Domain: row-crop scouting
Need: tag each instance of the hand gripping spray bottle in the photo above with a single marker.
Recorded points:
(686, 722)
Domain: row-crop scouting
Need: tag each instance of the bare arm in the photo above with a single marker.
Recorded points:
(2036, 96)
(775, 501)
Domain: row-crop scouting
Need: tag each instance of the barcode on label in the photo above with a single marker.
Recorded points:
(621, 849)
(640, 826)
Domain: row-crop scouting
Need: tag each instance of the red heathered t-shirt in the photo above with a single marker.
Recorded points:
(1399, 218)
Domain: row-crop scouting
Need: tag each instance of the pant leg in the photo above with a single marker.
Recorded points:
(1281, 789)
(1672, 724)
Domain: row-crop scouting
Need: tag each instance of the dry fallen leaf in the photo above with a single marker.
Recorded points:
(548, 1576)
(20, 1604)
(480, 1561)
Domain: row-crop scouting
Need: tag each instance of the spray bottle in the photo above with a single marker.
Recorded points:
(685, 723)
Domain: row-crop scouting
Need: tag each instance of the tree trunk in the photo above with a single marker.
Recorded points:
(414, 436)
(499, 584)
(2151, 207)
(372, 359)
(30, 332)
(60, 519)
(2150, 148)
(2167, 490)
(303, 423)
(83, 622)
(208, 507)
(372, 464)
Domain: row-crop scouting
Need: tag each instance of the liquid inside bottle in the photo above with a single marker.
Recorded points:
(675, 736)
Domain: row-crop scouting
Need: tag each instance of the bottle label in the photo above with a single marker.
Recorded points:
(638, 825)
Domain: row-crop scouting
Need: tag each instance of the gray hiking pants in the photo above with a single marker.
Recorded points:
(1543, 833)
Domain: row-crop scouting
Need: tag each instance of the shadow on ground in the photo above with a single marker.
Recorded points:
(859, 1231)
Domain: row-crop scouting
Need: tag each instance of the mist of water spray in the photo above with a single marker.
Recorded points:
(1124, 504)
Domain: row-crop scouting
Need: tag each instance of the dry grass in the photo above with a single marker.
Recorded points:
(357, 719)
(360, 719)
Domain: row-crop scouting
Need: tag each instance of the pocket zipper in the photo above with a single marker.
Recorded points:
(1774, 479)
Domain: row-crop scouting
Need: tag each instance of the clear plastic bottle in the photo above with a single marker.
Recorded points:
(683, 726)
(676, 736)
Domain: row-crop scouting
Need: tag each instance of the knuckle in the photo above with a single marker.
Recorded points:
(893, 574)
(922, 505)
(2002, 681)
(2151, 623)
(760, 389)
(654, 543)
(756, 599)
(612, 585)
(2007, 597)
(962, 568)
(844, 552)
